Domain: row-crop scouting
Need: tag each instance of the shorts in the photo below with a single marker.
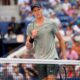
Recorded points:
(47, 69)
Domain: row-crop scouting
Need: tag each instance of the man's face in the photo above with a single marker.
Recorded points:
(37, 12)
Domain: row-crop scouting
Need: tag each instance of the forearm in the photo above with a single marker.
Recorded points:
(62, 44)
(63, 49)
(28, 43)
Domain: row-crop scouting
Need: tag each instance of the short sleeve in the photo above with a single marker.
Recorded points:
(55, 27)
(29, 30)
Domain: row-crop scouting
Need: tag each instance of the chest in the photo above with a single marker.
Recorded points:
(45, 29)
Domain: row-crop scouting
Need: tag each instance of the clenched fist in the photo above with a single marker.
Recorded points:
(34, 33)
(29, 45)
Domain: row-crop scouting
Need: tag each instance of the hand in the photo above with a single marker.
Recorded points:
(62, 56)
(34, 33)
(29, 45)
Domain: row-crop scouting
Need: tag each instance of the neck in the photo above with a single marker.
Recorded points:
(40, 20)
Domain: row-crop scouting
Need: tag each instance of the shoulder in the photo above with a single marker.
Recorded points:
(30, 25)
(50, 21)
(53, 23)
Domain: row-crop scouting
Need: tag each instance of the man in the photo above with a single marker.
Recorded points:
(42, 33)
(11, 33)
(12, 24)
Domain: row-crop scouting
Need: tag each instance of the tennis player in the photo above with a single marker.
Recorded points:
(42, 32)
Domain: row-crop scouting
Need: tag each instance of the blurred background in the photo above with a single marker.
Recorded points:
(15, 15)
(23, 71)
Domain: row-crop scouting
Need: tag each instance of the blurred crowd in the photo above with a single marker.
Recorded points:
(25, 71)
(66, 14)
(18, 72)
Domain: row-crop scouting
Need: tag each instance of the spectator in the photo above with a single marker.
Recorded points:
(6, 75)
(70, 10)
(21, 69)
(71, 72)
(31, 72)
(76, 28)
(69, 31)
(8, 67)
(20, 27)
(78, 2)
(16, 74)
(70, 53)
(78, 11)
(77, 70)
(66, 5)
(74, 18)
(34, 1)
(11, 29)
(76, 47)
(25, 10)
(54, 3)
(12, 24)
(28, 75)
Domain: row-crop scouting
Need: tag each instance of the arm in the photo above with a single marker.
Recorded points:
(30, 38)
(55, 30)
(62, 44)
(28, 44)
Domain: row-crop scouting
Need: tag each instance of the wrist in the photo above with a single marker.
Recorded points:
(31, 40)
(32, 36)
(64, 57)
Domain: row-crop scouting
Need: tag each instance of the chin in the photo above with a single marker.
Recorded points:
(38, 17)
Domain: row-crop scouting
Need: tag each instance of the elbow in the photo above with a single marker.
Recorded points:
(28, 47)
